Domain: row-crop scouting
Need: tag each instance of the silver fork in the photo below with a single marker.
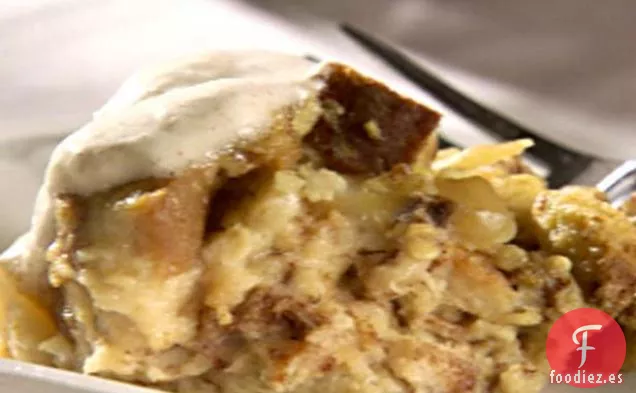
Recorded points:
(620, 183)
(565, 165)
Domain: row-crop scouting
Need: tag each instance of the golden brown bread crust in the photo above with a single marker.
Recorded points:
(159, 220)
(367, 128)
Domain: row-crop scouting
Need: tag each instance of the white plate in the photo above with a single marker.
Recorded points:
(18, 377)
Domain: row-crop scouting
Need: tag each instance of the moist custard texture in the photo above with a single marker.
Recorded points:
(340, 252)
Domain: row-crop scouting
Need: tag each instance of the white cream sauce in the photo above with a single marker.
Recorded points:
(159, 122)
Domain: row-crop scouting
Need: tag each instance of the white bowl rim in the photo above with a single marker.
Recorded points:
(63, 378)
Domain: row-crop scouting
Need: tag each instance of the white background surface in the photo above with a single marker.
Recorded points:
(567, 68)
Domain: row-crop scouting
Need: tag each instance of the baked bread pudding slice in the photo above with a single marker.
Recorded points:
(254, 222)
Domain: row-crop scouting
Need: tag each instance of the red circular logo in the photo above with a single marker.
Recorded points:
(585, 348)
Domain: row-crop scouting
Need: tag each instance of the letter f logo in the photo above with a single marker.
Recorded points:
(583, 344)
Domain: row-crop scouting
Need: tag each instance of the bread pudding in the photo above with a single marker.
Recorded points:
(255, 222)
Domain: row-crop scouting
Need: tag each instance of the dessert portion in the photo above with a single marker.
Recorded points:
(254, 222)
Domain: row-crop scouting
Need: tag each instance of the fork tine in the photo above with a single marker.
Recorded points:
(617, 176)
(565, 164)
